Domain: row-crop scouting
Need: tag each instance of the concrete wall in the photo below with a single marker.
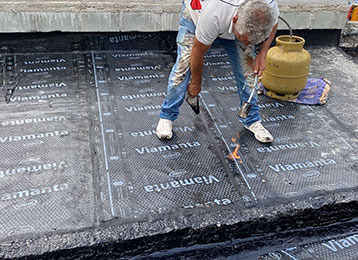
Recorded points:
(349, 37)
(144, 15)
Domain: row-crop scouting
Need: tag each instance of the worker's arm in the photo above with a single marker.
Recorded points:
(196, 67)
(260, 60)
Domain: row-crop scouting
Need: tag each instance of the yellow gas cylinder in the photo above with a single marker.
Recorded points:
(287, 66)
(353, 16)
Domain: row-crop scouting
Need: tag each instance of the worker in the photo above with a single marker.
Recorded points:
(243, 28)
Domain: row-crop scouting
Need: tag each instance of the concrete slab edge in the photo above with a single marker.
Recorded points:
(349, 37)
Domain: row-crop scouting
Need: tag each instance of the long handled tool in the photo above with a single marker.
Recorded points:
(245, 109)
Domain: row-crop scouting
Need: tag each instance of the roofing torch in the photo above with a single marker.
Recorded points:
(245, 109)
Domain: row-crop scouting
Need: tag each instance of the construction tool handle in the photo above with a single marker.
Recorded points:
(255, 88)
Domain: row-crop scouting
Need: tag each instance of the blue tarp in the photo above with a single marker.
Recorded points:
(315, 92)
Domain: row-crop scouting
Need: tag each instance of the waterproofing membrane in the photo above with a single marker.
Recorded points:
(78, 142)
(335, 248)
(75, 42)
(45, 174)
(146, 175)
(151, 176)
(307, 155)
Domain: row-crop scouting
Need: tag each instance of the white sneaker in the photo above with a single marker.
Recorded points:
(261, 133)
(164, 129)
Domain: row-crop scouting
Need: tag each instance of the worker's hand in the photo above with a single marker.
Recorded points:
(260, 63)
(194, 89)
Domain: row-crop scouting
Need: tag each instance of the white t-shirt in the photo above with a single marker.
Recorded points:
(215, 18)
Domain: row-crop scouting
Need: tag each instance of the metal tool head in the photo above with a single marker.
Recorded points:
(244, 111)
(194, 103)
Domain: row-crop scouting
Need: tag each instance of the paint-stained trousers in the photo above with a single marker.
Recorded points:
(180, 75)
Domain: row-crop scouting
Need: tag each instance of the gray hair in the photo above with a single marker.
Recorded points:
(256, 18)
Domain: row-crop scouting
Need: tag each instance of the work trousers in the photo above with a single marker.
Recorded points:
(179, 78)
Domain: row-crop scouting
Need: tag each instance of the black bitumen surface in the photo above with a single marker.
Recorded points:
(82, 173)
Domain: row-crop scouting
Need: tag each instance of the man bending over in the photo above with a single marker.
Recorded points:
(240, 27)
